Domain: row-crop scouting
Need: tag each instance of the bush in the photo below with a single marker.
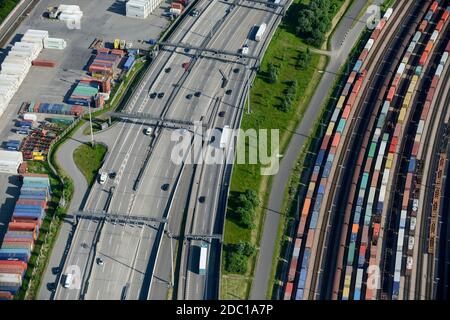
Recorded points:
(236, 263)
(238, 255)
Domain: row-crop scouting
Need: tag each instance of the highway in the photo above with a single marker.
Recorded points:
(128, 251)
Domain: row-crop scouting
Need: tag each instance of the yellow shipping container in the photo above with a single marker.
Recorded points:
(330, 129)
(340, 103)
(38, 158)
(402, 115)
(407, 100)
(389, 160)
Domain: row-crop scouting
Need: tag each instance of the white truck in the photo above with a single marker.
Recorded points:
(203, 259)
(225, 137)
(259, 34)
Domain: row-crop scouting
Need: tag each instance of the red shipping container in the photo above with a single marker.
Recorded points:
(445, 16)
(415, 150)
(396, 81)
(434, 6)
(118, 52)
(381, 24)
(103, 50)
(440, 25)
(375, 34)
(43, 63)
(430, 94)
(434, 83)
(391, 93)
(363, 55)
(346, 112)
(351, 99)
(22, 226)
(288, 292)
(336, 140)
(393, 145)
(352, 77)
(310, 238)
(292, 269)
(423, 26)
(325, 142)
(423, 59)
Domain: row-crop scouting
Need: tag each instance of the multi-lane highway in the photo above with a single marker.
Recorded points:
(134, 259)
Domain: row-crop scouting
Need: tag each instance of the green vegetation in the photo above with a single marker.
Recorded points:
(314, 20)
(245, 209)
(270, 110)
(6, 6)
(237, 257)
(89, 160)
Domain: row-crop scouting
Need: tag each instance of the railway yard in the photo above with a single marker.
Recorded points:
(372, 211)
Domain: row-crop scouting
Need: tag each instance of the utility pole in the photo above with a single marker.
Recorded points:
(90, 122)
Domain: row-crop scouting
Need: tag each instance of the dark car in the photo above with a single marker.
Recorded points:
(51, 286)
(168, 69)
(236, 70)
(202, 199)
(228, 92)
(56, 270)
(189, 96)
(160, 95)
(153, 95)
(165, 187)
(197, 94)
(112, 175)
(186, 50)
(221, 114)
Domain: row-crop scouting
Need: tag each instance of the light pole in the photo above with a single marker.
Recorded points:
(90, 123)
(248, 90)
(170, 235)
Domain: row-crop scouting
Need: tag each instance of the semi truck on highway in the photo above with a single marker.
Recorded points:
(225, 137)
(203, 259)
(259, 34)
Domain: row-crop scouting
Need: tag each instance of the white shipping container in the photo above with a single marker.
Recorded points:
(9, 163)
(388, 13)
(434, 36)
(70, 16)
(29, 117)
(369, 44)
(439, 70)
(260, 32)
(68, 8)
(175, 11)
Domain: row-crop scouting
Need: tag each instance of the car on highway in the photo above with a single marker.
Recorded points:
(112, 175)
(165, 187)
(236, 70)
(103, 177)
(202, 199)
(68, 280)
(221, 114)
(161, 95)
(100, 261)
(197, 94)
(195, 13)
(167, 70)
(189, 96)
(228, 92)
(148, 131)
(153, 95)
(244, 49)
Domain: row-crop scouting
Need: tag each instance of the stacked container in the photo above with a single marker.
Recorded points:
(22, 233)
(55, 43)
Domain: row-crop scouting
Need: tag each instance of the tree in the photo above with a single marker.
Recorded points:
(273, 73)
(245, 248)
(246, 217)
(304, 58)
(252, 196)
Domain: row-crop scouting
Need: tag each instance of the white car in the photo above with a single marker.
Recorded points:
(244, 49)
(103, 177)
(68, 280)
(148, 131)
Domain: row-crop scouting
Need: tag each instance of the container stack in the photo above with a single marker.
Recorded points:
(55, 43)
(84, 92)
(23, 231)
(141, 8)
(105, 63)
(17, 64)
(70, 13)
(55, 108)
